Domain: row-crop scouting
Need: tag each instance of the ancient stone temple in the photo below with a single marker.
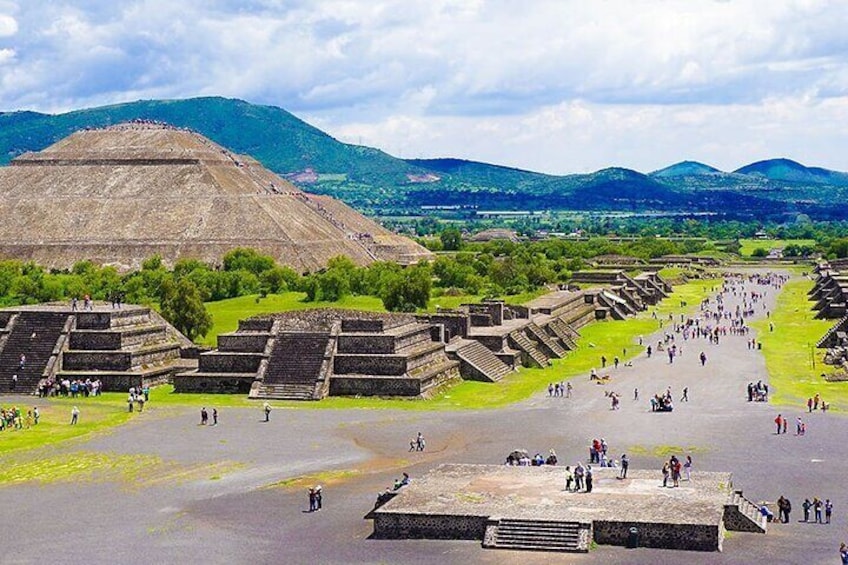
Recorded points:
(121, 194)
(125, 347)
(307, 355)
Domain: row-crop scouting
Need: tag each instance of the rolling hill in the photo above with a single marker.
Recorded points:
(378, 183)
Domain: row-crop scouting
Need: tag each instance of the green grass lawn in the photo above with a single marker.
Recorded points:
(747, 246)
(793, 362)
(96, 414)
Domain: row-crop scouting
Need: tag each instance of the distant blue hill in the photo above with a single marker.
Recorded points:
(685, 169)
(788, 170)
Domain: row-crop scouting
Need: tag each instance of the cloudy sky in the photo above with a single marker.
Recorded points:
(556, 86)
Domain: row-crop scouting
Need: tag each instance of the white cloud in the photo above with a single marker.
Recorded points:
(556, 85)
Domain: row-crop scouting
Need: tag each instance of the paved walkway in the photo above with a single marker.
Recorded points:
(226, 516)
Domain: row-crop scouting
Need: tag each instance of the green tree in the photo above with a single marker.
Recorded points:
(183, 308)
(759, 252)
(451, 239)
(408, 290)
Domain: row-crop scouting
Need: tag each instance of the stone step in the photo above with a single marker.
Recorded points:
(549, 346)
(537, 535)
(483, 360)
(523, 343)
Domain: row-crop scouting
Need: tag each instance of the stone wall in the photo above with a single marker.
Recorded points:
(223, 362)
(243, 342)
(365, 343)
(94, 340)
(421, 526)
(214, 385)
(693, 537)
(341, 385)
(495, 343)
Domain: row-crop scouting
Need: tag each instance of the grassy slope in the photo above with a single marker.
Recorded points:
(793, 362)
(227, 313)
(747, 246)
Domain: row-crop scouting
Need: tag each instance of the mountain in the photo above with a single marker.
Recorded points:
(685, 169)
(791, 171)
(378, 183)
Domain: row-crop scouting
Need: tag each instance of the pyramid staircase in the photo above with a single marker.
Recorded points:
(742, 515)
(34, 334)
(477, 362)
(560, 330)
(518, 340)
(546, 344)
(840, 326)
(297, 367)
(538, 535)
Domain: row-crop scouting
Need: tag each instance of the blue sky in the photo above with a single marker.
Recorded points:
(556, 86)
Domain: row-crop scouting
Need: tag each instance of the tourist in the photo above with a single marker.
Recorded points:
(568, 389)
(685, 397)
(798, 424)
(778, 421)
(785, 424)
(130, 401)
(569, 478)
(703, 357)
(675, 470)
(816, 400)
(267, 409)
(809, 404)
(603, 361)
(817, 509)
(615, 361)
(588, 478)
(146, 392)
(806, 506)
(579, 471)
(635, 394)
(13, 384)
(419, 442)
(625, 463)
(550, 389)
(75, 412)
(313, 505)
(828, 510)
(319, 498)
(688, 467)
(666, 471)
(843, 553)
(214, 416)
(204, 416)
(35, 414)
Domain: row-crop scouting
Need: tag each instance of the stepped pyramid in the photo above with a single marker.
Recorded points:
(121, 194)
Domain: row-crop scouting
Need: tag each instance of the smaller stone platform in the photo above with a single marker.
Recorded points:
(529, 508)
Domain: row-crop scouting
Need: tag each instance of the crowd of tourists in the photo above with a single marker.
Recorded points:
(560, 389)
(69, 388)
(822, 510)
(14, 418)
(673, 468)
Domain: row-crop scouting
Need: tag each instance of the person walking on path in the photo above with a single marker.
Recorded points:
(779, 422)
(703, 357)
(785, 424)
(75, 412)
(810, 404)
(267, 409)
(214, 416)
(568, 388)
(685, 397)
(204, 416)
(828, 510)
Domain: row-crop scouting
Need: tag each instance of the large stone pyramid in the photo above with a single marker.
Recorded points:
(121, 194)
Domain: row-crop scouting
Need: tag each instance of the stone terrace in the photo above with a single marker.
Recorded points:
(461, 501)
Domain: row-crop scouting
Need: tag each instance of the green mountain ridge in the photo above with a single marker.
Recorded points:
(376, 182)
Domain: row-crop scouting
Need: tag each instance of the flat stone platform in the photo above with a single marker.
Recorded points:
(470, 496)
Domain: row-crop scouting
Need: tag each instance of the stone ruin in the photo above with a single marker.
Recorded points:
(128, 347)
(310, 354)
(830, 295)
(526, 508)
(121, 194)
(619, 294)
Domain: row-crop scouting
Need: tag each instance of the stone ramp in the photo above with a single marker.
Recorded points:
(477, 362)
(34, 334)
(742, 515)
(537, 535)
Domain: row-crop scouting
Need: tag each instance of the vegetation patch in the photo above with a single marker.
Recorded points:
(793, 362)
(663, 451)
(323, 478)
